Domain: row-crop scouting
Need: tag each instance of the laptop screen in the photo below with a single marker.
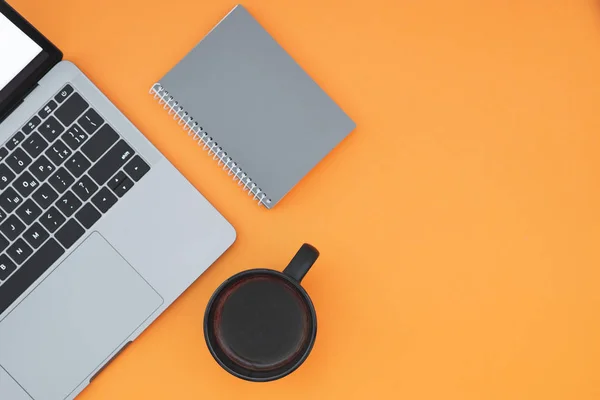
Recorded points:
(17, 51)
(25, 57)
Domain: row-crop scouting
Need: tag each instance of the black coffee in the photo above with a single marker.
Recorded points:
(261, 322)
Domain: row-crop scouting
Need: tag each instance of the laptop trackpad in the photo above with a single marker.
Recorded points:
(70, 324)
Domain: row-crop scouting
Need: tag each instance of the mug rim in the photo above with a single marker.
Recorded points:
(232, 279)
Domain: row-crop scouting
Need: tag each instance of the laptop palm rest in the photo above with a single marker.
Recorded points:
(71, 323)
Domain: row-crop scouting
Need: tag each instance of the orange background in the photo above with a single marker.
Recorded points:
(459, 225)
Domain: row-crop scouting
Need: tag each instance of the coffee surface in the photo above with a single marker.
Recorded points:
(261, 322)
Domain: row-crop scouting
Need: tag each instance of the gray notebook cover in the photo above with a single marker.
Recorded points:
(257, 103)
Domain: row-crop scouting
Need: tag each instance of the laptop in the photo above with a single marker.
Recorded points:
(99, 233)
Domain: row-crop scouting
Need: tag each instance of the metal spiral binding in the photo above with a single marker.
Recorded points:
(202, 137)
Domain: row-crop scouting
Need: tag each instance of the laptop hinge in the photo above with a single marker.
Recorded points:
(17, 103)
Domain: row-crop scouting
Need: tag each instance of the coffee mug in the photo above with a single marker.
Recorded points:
(260, 325)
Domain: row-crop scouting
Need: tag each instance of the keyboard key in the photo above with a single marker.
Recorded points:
(74, 136)
(32, 125)
(51, 129)
(88, 215)
(45, 196)
(3, 243)
(61, 180)
(47, 110)
(18, 160)
(28, 212)
(6, 267)
(12, 227)
(104, 199)
(123, 187)
(19, 251)
(25, 184)
(9, 200)
(34, 145)
(136, 168)
(3, 153)
(116, 180)
(85, 188)
(68, 204)
(100, 142)
(71, 109)
(52, 219)
(90, 121)
(42, 168)
(77, 164)
(63, 94)
(111, 162)
(69, 233)
(36, 235)
(3, 216)
(14, 141)
(29, 272)
(6, 176)
(58, 152)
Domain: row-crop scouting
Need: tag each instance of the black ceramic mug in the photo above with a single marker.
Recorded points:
(260, 324)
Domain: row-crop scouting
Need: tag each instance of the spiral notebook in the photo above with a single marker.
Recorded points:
(252, 107)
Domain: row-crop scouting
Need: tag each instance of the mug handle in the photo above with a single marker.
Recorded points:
(301, 263)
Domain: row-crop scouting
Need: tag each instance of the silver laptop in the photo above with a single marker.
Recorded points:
(99, 233)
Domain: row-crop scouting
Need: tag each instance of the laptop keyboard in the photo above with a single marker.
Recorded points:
(58, 175)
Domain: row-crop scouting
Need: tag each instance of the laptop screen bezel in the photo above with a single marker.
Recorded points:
(14, 92)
